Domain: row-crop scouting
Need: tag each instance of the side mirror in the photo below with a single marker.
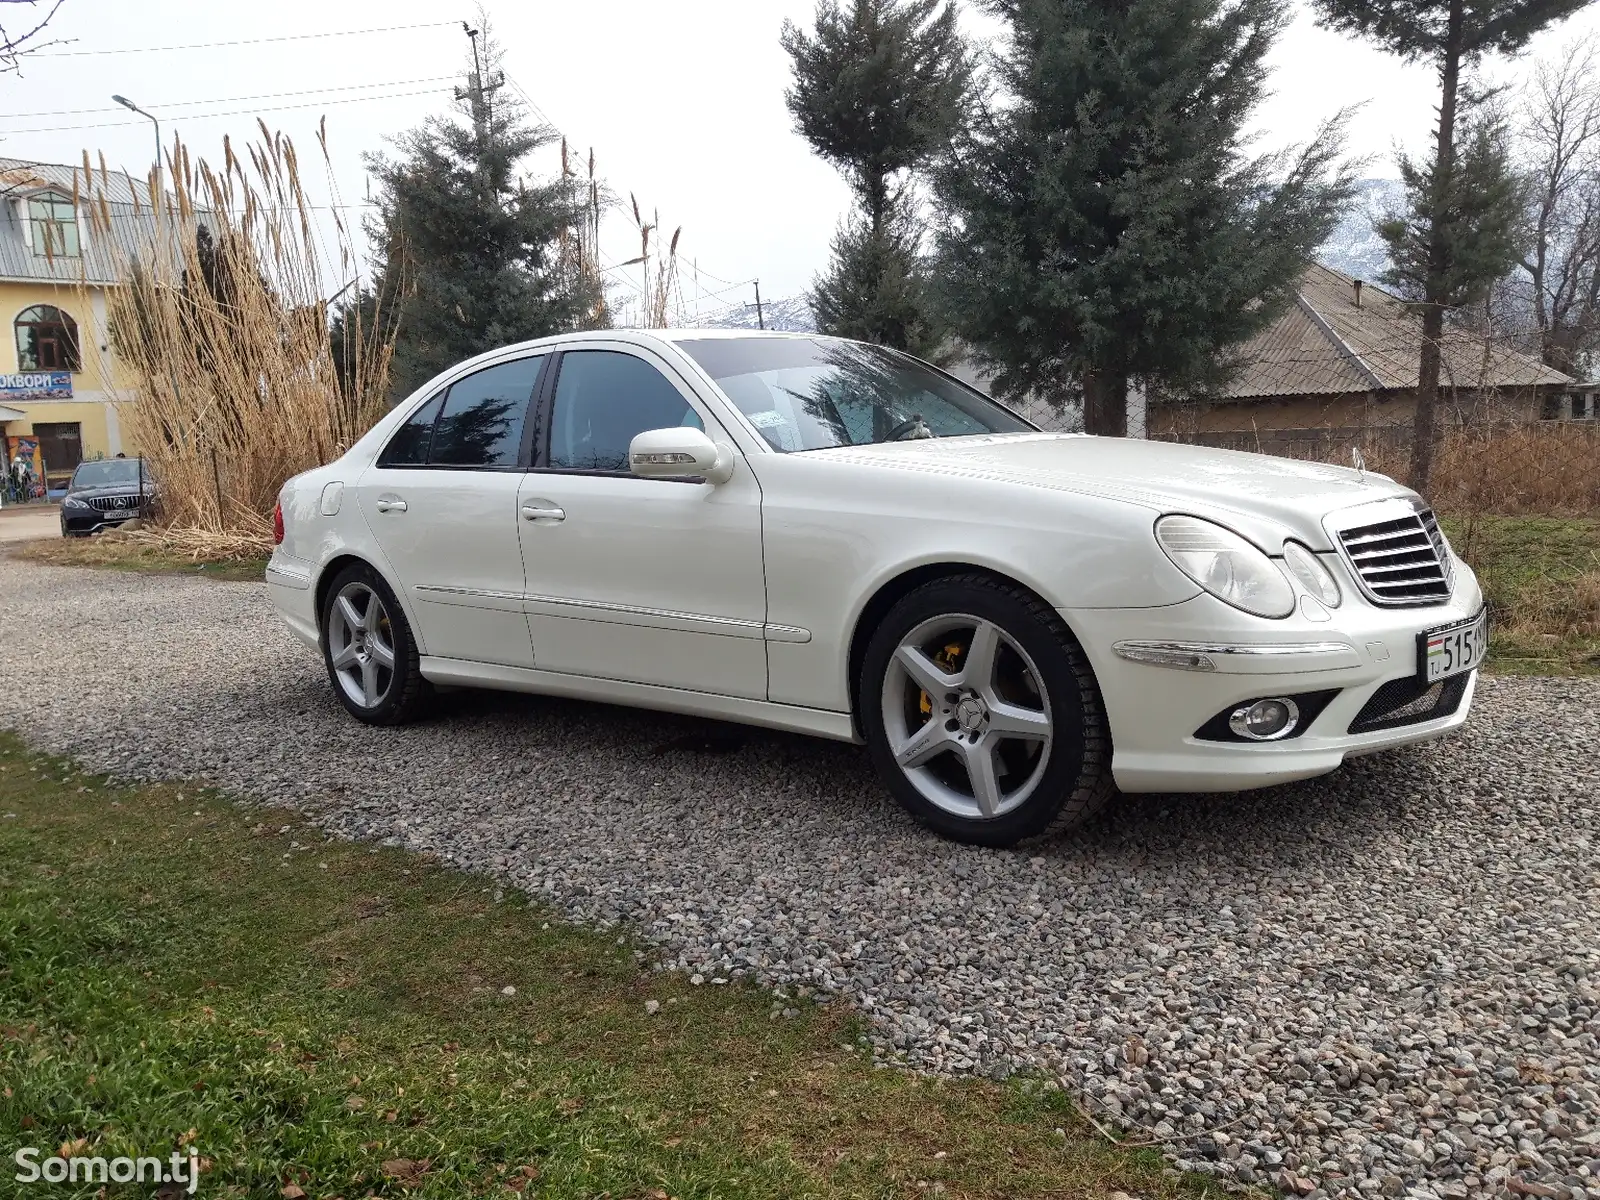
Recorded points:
(679, 451)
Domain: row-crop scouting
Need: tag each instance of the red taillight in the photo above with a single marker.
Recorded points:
(277, 524)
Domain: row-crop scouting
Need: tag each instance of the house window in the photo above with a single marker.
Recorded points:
(47, 340)
(1584, 406)
(55, 226)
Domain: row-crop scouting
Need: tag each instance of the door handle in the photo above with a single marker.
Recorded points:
(537, 512)
(390, 504)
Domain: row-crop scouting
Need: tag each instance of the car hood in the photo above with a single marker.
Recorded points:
(118, 489)
(1251, 492)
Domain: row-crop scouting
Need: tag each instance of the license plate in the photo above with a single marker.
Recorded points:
(1454, 649)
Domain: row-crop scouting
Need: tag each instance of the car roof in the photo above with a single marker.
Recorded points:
(635, 335)
(690, 333)
(675, 334)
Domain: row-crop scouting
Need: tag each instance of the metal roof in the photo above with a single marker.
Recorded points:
(131, 232)
(1327, 344)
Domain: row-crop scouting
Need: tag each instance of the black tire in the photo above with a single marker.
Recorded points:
(407, 691)
(1074, 782)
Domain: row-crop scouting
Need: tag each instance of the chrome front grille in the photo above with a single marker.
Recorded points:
(114, 503)
(1401, 561)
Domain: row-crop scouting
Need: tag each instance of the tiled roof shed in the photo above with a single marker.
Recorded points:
(1342, 336)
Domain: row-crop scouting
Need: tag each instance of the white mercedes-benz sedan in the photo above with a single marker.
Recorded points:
(817, 535)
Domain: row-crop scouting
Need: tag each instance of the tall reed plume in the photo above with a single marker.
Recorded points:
(579, 244)
(222, 327)
(660, 294)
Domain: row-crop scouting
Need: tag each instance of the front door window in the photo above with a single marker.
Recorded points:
(603, 400)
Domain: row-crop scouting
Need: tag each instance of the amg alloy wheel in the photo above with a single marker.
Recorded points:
(367, 645)
(982, 714)
(966, 719)
(359, 649)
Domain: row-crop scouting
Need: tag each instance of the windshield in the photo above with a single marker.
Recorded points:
(812, 393)
(108, 472)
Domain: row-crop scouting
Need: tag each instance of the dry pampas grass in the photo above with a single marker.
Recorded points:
(221, 321)
(1550, 469)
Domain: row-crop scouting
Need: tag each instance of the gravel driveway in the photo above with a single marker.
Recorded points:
(1383, 983)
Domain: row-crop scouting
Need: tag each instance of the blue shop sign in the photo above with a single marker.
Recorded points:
(36, 385)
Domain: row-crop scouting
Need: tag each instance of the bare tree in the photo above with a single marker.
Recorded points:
(13, 46)
(1560, 136)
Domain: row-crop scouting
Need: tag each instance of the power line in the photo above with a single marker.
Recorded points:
(545, 117)
(354, 87)
(293, 37)
(238, 112)
(719, 279)
(529, 101)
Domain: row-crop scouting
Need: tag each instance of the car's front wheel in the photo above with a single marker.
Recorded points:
(982, 714)
(369, 651)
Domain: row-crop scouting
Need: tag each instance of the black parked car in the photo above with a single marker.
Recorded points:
(105, 493)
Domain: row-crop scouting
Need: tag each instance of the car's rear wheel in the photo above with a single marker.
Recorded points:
(982, 714)
(369, 651)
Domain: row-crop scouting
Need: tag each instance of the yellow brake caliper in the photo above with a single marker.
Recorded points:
(946, 660)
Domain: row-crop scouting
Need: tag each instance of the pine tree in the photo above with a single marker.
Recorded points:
(1475, 213)
(1102, 221)
(1455, 245)
(876, 288)
(472, 253)
(877, 91)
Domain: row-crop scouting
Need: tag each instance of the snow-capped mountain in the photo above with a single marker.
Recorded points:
(788, 314)
(1355, 247)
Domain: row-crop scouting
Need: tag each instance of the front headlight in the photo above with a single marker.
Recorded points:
(74, 502)
(1226, 565)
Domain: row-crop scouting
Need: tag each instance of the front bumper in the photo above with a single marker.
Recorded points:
(81, 521)
(1156, 710)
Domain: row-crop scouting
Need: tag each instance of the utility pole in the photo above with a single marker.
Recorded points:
(761, 319)
(478, 90)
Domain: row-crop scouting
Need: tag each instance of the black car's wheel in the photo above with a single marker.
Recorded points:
(369, 651)
(982, 714)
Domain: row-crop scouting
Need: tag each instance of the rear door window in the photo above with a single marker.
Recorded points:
(409, 445)
(477, 422)
(483, 416)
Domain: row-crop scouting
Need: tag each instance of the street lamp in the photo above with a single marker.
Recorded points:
(129, 104)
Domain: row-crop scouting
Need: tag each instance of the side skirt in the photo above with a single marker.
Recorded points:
(453, 672)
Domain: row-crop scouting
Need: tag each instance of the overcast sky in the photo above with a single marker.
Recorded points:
(683, 103)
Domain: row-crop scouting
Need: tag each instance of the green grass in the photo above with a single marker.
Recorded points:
(126, 554)
(330, 1019)
(1542, 578)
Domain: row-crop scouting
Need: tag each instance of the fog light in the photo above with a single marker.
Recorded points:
(1265, 720)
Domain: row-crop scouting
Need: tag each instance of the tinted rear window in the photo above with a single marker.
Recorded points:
(481, 425)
